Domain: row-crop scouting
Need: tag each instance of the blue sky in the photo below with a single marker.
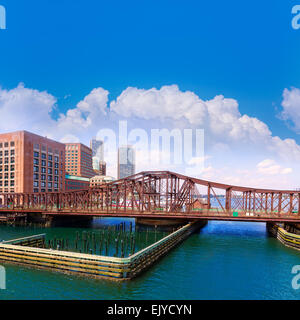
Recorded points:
(247, 52)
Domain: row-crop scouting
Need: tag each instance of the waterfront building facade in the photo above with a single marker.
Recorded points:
(31, 163)
(126, 161)
(100, 179)
(76, 183)
(79, 160)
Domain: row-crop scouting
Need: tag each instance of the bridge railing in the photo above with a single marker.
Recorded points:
(160, 192)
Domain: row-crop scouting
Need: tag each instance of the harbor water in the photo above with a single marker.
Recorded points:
(224, 260)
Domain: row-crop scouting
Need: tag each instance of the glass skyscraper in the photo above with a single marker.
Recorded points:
(97, 147)
(126, 161)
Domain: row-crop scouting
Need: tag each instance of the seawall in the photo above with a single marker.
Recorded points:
(289, 239)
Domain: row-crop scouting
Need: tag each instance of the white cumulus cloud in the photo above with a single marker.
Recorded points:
(291, 107)
(228, 133)
(220, 117)
(269, 166)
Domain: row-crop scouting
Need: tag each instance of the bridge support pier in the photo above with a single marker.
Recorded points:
(59, 221)
(160, 222)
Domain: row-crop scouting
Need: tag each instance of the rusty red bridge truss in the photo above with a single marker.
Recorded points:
(162, 194)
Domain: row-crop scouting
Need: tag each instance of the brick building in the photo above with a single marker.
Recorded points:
(79, 160)
(31, 163)
(100, 179)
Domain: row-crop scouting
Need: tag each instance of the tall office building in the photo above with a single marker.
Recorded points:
(31, 163)
(102, 168)
(97, 147)
(79, 160)
(126, 161)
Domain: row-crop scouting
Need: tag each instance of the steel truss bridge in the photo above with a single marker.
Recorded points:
(162, 194)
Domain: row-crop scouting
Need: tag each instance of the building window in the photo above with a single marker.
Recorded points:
(6, 153)
(36, 176)
(5, 168)
(12, 160)
(49, 171)
(49, 184)
(5, 183)
(12, 183)
(50, 157)
(35, 190)
(43, 184)
(6, 145)
(50, 164)
(43, 177)
(43, 170)
(36, 161)
(35, 183)
(36, 154)
(12, 175)
(12, 152)
(44, 156)
(49, 178)
(12, 168)
(56, 159)
(43, 163)
(35, 169)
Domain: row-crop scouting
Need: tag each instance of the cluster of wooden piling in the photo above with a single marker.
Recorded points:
(115, 268)
(116, 241)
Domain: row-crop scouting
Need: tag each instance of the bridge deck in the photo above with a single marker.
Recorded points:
(207, 215)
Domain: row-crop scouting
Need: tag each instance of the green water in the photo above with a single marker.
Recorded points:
(225, 260)
(114, 239)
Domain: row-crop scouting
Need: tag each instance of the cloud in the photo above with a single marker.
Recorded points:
(269, 166)
(291, 107)
(220, 117)
(23, 108)
(231, 138)
(268, 174)
(87, 116)
(166, 103)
